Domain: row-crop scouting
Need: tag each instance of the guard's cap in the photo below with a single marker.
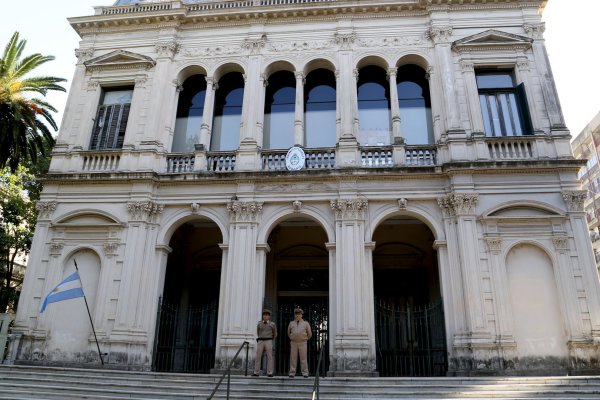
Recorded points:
(298, 311)
(265, 311)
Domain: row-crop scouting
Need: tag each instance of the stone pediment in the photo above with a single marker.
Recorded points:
(120, 59)
(492, 40)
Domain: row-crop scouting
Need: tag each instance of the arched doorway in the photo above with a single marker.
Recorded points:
(187, 315)
(298, 276)
(409, 317)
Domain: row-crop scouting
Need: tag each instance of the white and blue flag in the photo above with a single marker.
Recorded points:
(69, 288)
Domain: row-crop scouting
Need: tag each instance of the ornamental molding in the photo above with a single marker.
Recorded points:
(561, 242)
(45, 209)
(140, 81)
(454, 204)
(397, 41)
(492, 40)
(467, 66)
(254, 45)
(244, 211)
(574, 199)
(523, 64)
(494, 244)
(535, 31)
(93, 84)
(119, 59)
(145, 211)
(300, 46)
(84, 54)
(344, 40)
(56, 248)
(167, 48)
(439, 34)
(349, 208)
(111, 248)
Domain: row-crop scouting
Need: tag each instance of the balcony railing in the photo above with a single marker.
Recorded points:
(274, 160)
(220, 161)
(514, 148)
(421, 155)
(377, 157)
(101, 161)
(178, 163)
(135, 8)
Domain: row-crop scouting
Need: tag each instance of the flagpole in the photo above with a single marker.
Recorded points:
(89, 314)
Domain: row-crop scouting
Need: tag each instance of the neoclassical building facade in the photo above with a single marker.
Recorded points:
(436, 226)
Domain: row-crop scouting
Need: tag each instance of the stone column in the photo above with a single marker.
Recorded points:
(557, 122)
(208, 111)
(260, 111)
(468, 72)
(353, 343)
(247, 156)
(441, 37)
(394, 107)
(299, 110)
(241, 279)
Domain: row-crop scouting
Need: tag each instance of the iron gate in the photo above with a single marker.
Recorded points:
(411, 340)
(185, 339)
(316, 313)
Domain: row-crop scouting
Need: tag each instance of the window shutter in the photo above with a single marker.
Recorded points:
(99, 127)
(122, 125)
(524, 109)
(113, 126)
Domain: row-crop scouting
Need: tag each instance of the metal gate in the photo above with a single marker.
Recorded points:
(317, 315)
(185, 339)
(411, 340)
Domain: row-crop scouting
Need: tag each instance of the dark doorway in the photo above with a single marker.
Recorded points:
(298, 276)
(187, 313)
(409, 316)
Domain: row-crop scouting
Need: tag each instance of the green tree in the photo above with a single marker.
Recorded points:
(23, 132)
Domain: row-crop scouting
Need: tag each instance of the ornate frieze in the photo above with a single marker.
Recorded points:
(349, 208)
(458, 203)
(439, 34)
(398, 41)
(299, 46)
(574, 199)
(147, 211)
(244, 211)
(560, 242)
(45, 209)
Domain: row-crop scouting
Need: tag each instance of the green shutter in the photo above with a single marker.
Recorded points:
(524, 110)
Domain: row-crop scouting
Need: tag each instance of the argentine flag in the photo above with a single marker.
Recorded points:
(70, 288)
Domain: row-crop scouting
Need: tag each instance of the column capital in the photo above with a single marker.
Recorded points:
(523, 64)
(178, 85)
(494, 244)
(84, 54)
(574, 199)
(535, 31)
(349, 209)
(212, 81)
(111, 248)
(166, 48)
(560, 242)
(299, 75)
(144, 211)
(454, 204)
(45, 209)
(439, 34)
(467, 66)
(392, 71)
(244, 211)
(264, 78)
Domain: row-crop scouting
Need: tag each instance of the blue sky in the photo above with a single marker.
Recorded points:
(571, 39)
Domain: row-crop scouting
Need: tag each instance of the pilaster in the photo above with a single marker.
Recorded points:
(299, 110)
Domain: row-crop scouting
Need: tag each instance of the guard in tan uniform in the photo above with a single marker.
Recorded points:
(299, 333)
(266, 333)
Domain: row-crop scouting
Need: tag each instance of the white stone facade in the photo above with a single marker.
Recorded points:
(489, 202)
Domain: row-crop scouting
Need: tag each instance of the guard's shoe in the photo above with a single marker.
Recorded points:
(291, 376)
(306, 376)
(270, 375)
(255, 375)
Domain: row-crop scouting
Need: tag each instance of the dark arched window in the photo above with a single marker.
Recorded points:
(319, 109)
(415, 105)
(228, 112)
(280, 100)
(373, 107)
(189, 114)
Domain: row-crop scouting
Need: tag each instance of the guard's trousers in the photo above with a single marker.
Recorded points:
(264, 345)
(298, 348)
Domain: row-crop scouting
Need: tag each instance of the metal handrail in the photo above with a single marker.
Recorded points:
(315, 391)
(228, 371)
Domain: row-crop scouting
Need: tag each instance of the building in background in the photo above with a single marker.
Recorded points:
(401, 170)
(585, 147)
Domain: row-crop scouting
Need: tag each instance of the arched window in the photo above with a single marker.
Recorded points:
(280, 103)
(415, 105)
(189, 114)
(373, 107)
(319, 109)
(228, 112)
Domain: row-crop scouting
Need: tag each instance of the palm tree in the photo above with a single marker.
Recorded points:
(22, 128)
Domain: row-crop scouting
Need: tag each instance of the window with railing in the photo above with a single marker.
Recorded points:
(111, 119)
(504, 105)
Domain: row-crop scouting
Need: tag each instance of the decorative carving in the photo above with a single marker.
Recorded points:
(402, 203)
(574, 199)
(561, 242)
(400, 41)
(297, 205)
(119, 59)
(536, 31)
(92, 84)
(349, 208)
(438, 34)
(458, 203)
(140, 81)
(84, 54)
(111, 248)
(244, 211)
(467, 66)
(45, 209)
(494, 244)
(345, 40)
(299, 46)
(178, 85)
(195, 207)
(429, 72)
(492, 40)
(254, 46)
(167, 48)
(56, 248)
(212, 51)
(523, 64)
(144, 210)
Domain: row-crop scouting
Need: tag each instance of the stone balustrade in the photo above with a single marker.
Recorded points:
(512, 148)
(101, 161)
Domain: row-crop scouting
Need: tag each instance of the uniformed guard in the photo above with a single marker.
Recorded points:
(266, 333)
(299, 333)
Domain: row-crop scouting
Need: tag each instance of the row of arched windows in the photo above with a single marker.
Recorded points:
(374, 105)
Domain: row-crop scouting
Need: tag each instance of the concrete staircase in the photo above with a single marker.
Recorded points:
(25, 382)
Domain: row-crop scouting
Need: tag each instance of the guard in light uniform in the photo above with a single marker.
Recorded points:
(266, 333)
(299, 333)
